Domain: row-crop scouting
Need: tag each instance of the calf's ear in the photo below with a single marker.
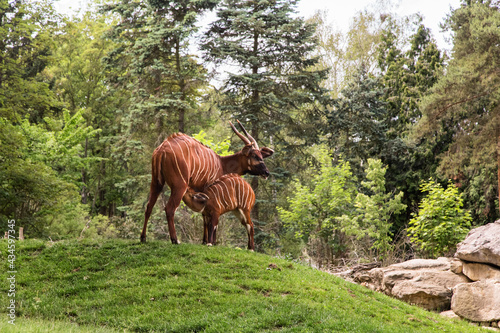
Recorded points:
(266, 152)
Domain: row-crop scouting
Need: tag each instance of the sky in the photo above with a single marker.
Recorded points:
(340, 12)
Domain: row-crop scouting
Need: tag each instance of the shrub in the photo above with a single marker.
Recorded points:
(441, 222)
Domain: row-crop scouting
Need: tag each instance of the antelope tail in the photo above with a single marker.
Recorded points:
(157, 168)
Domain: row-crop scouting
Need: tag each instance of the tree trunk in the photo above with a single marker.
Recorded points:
(102, 192)
(497, 134)
(498, 168)
(255, 125)
(84, 175)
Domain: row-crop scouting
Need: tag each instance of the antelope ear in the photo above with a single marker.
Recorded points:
(247, 149)
(266, 152)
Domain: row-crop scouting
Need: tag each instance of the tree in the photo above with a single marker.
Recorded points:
(81, 84)
(270, 49)
(466, 99)
(315, 207)
(25, 49)
(160, 83)
(40, 175)
(408, 75)
(370, 221)
(357, 121)
(344, 53)
(37, 162)
(153, 50)
(406, 78)
(272, 80)
(441, 222)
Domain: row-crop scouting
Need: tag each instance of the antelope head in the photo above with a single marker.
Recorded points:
(253, 155)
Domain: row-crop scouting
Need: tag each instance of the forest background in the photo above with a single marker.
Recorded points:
(386, 147)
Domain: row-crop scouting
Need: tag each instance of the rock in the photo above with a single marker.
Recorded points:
(478, 301)
(423, 282)
(429, 289)
(456, 266)
(481, 245)
(360, 271)
(477, 272)
(362, 277)
(449, 314)
(441, 263)
(346, 275)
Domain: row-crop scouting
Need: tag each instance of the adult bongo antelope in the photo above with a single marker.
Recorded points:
(230, 193)
(182, 162)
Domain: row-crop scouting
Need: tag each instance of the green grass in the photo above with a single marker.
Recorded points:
(23, 325)
(118, 285)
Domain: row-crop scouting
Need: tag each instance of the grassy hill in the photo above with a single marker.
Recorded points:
(118, 285)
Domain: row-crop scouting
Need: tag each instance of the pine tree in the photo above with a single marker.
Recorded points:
(266, 52)
(270, 50)
(162, 75)
(406, 78)
(357, 122)
(25, 50)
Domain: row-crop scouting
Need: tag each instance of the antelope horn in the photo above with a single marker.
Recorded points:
(242, 137)
(254, 143)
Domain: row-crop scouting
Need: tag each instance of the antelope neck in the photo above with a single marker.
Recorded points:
(232, 163)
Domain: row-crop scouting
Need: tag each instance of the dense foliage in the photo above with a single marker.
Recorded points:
(465, 101)
(358, 120)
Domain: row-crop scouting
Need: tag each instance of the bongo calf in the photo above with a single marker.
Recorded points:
(229, 193)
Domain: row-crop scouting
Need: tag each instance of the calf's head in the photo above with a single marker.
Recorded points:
(195, 200)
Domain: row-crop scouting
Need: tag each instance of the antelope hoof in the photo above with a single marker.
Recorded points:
(143, 239)
(175, 241)
(209, 244)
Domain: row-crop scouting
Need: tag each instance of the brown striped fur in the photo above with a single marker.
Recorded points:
(230, 193)
(182, 161)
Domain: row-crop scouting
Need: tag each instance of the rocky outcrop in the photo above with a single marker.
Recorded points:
(469, 284)
(450, 314)
(457, 266)
(480, 257)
